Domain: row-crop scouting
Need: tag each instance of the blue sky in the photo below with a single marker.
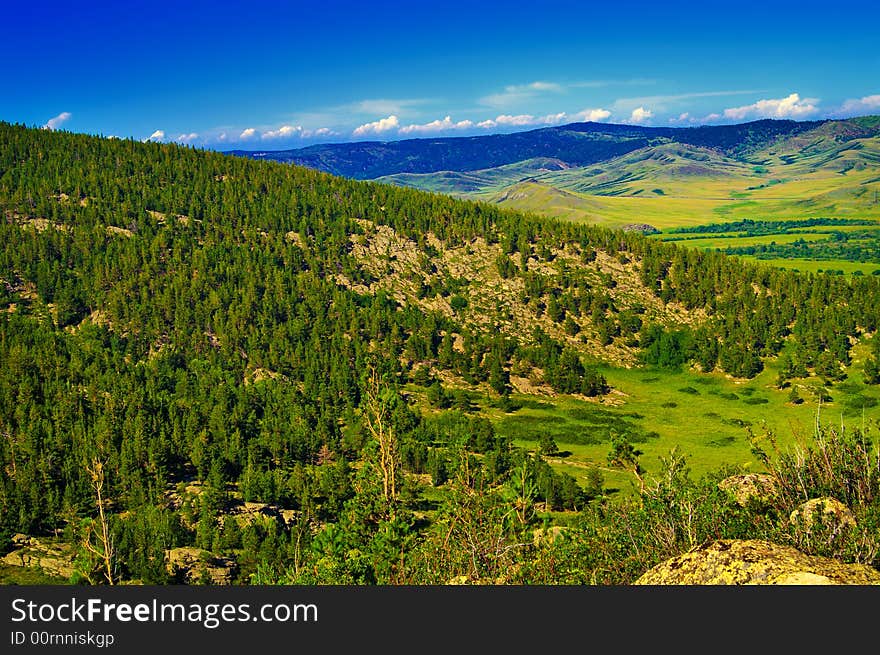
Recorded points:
(272, 75)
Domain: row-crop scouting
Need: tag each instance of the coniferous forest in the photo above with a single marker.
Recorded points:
(201, 353)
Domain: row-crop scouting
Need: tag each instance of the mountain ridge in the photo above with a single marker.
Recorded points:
(577, 144)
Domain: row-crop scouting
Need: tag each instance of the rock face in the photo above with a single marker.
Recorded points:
(548, 536)
(832, 511)
(53, 558)
(748, 487)
(745, 562)
(197, 566)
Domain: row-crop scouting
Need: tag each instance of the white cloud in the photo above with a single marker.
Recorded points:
(592, 115)
(377, 127)
(552, 119)
(437, 126)
(517, 93)
(56, 122)
(222, 136)
(321, 131)
(684, 117)
(283, 132)
(541, 86)
(640, 115)
(792, 106)
(857, 106)
(521, 119)
(187, 138)
(524, 120)
(158, 135)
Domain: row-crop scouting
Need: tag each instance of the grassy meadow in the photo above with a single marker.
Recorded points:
(707, 416)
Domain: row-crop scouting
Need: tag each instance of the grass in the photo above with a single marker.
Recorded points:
(20, 575)
(707, 416)
(818, 265)
(734, 240)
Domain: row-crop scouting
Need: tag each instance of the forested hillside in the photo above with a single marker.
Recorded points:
(184, 332)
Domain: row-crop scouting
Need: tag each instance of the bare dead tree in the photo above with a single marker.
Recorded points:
(98, 541)
(376, 416)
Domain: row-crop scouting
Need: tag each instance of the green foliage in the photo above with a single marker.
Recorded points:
(624, 454)
(182, 315)
(664, 349)
(547, 445)
(872, 370)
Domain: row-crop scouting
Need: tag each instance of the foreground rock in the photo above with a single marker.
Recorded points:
(198, 566)
(53, 558)
(747, 562)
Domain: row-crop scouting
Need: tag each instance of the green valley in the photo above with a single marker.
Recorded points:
(227, 371)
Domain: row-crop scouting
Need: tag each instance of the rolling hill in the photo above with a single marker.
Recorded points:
(577, 144)
(623, 174)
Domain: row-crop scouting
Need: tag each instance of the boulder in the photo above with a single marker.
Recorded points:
(196, 566)
(754, 562)
(548, 536)
(21, 540)
(833, 512)
(246, 513)
(749, 487)
(52, 557)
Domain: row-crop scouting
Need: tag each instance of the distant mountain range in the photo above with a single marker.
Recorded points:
(595, 171)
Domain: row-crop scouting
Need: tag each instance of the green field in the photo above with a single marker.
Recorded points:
(727, 239)
(707, 416)
(818, 266)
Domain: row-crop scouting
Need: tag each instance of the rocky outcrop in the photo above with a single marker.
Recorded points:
(830, 511)
(748, 562)
(52, 557)
(548, 536)
(749, 487)
(198, 566)
(246, 513)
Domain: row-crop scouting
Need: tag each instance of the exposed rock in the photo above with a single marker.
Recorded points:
(246, 513)
(548, 536)
(459, 580)
(197, 566)
(644, 228)
(52, 557)
(289, 516)
(21, 540)
(749, 486)
(747, 562)
(831, 510)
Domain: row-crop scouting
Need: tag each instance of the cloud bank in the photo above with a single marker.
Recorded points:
(377, 127)
(791, 106)
(56, 122)
(858, 106)
(640, 115)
